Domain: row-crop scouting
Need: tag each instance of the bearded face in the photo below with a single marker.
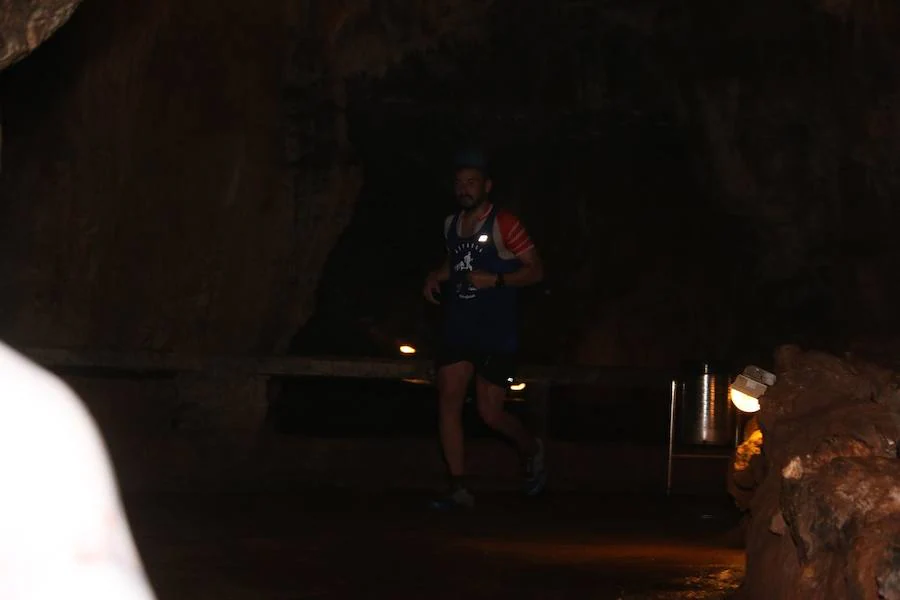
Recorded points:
(472, 188)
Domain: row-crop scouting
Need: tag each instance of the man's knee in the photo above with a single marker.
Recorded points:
(452, 384)
(491, 399)
(491, 413)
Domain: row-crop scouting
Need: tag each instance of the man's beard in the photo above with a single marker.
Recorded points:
(470, 203)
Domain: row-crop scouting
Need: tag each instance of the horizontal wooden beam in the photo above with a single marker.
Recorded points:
(413, 369)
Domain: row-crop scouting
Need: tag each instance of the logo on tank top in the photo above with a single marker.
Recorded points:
(467, 252)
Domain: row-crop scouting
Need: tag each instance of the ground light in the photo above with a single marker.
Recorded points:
(748, 387)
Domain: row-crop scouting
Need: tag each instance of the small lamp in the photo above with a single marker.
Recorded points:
(749, 386)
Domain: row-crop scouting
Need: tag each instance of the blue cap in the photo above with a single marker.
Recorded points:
(472, 158)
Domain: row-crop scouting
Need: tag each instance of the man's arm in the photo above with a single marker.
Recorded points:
(434, 280)
(531, 271)
(516, 242)
(442, 273)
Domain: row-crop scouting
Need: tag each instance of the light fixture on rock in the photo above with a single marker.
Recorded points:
(748, 387)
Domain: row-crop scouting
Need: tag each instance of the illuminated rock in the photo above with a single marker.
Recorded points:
(826, 482)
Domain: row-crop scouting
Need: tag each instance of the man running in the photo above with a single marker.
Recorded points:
(489, 256)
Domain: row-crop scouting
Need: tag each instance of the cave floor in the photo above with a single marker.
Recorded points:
(336, 544)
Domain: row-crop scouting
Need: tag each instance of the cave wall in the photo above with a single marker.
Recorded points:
(792, 105)
(146, 198)
(588, 149)
(178, 172)
(183, 191)
(26, 24)
(692, 172)
(176, 175)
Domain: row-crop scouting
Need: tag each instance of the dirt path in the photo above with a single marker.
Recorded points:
(339, 545)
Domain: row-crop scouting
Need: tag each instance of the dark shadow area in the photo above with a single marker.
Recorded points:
(367, 408)
(609, 190)
(372, 408)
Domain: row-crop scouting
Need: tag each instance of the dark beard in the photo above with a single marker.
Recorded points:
(477, 203)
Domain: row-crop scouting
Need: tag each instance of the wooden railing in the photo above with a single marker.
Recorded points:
(539, 377)
(411, 369)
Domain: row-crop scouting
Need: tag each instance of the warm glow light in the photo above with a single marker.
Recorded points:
(407, 349)
(743, 402)
(517, 387)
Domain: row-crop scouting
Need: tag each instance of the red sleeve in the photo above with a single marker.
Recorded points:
(513, 233)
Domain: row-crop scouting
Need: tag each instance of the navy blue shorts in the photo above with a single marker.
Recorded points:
(498, 368)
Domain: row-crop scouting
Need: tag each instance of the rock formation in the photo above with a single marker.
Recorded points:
(26, 24)
(825, 501)
(181, 192)
(176, 175)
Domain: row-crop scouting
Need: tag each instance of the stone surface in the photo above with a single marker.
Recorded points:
(334, 544)
(199, 181)
(746, 470)
(26, 24)
(823, 499)
(180, 433)
(845, 514)
(776, 129)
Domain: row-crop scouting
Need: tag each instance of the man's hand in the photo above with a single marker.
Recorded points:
(482, 279)
(432, 287)
(434, 280)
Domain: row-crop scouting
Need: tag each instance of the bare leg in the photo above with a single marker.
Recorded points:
(453, 381)
(491, 400)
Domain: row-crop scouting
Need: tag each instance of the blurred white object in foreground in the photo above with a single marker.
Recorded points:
(63, 530)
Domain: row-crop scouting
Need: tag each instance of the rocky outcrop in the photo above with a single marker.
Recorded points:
(178, 172)
(176, 175)
(825, 505)
(26, 24)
